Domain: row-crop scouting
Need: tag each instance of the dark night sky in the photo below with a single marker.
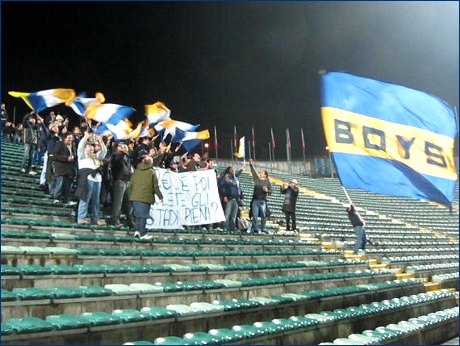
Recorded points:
(243, 64)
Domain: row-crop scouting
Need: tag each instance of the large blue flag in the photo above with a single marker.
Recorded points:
(389, 139)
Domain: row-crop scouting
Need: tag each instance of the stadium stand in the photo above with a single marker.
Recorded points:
(64, 283)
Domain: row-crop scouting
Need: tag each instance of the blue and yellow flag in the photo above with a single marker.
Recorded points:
(241, 153)
(389, 139)
(41, 100)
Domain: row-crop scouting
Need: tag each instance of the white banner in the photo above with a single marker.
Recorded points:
(189, 199)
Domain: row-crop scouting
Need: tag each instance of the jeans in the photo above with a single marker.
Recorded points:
(231, 210)
(141, 213)
(121, 201)
(43, 173)
(360, 239)
(93, 192)
(63, 187)
(259, 208)
(29, 151)
(290, 216)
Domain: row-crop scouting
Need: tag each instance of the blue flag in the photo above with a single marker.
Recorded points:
(389, 139)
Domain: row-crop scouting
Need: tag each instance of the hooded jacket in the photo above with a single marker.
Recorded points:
(143, 185)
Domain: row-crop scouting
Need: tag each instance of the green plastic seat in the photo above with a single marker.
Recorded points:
(94, 291)
(246, 331)
(222, 335)
(146, 288)
(198, 338)
(62, 251)
(11, 250)
(121, 289)
(67, 321)
(7, 329)
(178, 267)
(33, 269)
(170, 340)
(90, 269)
(229, 283)
(10, 270)
(206, 307)
(28, 325)
(32, 293)
(130, 315)
(158, 312)
(8, 296)
(64, 292)
(62, 269)
(183, 310)
(100, 318)
(138, 342)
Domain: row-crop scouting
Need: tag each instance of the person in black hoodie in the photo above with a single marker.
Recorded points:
(31, 137)
(358, 224)
(122, 170)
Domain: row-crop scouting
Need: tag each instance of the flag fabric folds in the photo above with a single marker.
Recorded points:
(273, 139)
(170, 126)
(389, 139)
(288, 140)
(81, 102)
(157, 112)
(41, 100)
(190, 139)
(216, 143)
(302, 140)
(241, 153)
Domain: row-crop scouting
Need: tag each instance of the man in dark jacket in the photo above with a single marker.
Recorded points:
(64, 164)
(358, 224)
(231, 197)
(31, 137)
(120, 163)
(290, 192)
(143, 187)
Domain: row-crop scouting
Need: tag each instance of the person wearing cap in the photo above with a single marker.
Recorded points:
(358, 224)
(290, 191)
(143, 186)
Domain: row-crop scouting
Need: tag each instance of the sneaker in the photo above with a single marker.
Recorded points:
(72, 203)
(23, 170)
(119, 225)
(32, 173)
(137, 234)
(56, 201)
(83, 222)
(146, 237)
(101, 223)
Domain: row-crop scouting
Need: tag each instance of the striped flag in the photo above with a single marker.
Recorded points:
(241, 153)
(44, 99)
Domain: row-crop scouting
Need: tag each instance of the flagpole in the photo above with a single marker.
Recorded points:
(215, 141)
(14, 115)
(269, 152)
(249, 146)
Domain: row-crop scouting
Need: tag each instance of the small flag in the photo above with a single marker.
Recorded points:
(44, 99)
(191, 139)
(241, 149)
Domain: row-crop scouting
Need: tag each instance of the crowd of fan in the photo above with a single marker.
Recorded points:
(61, 156)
